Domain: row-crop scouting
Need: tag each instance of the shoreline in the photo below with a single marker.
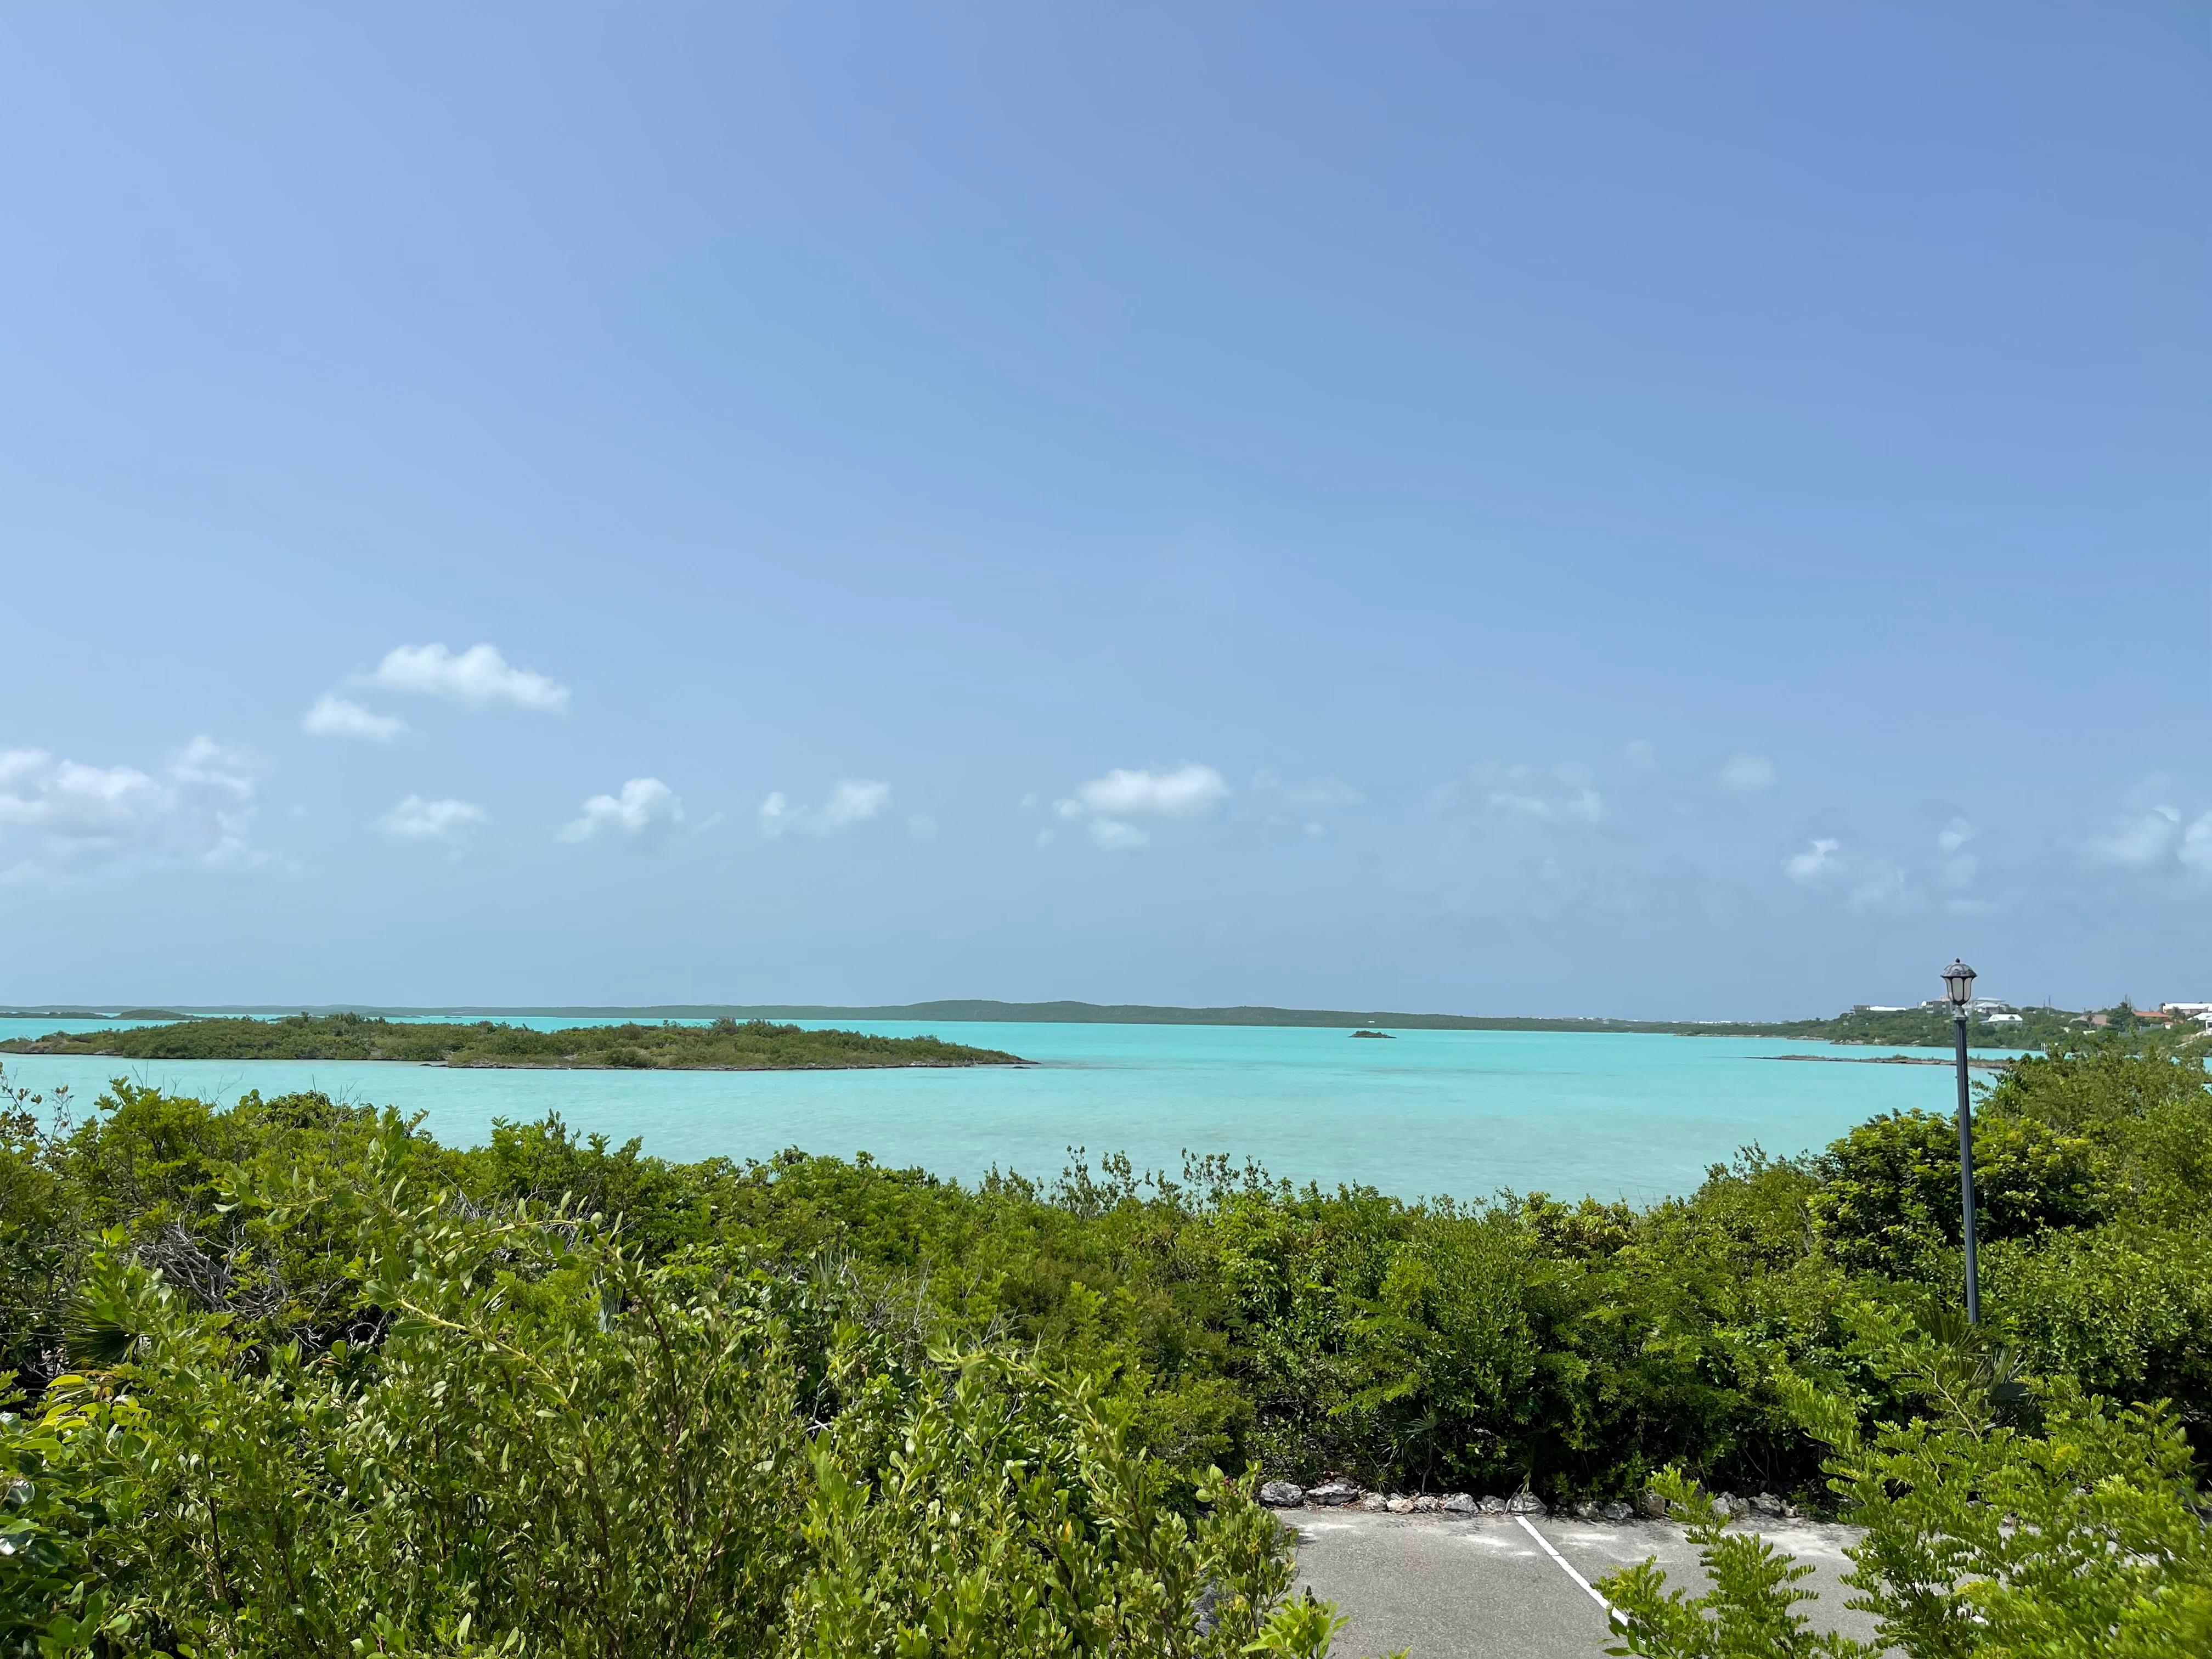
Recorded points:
(557, 1066)
(508, 1065)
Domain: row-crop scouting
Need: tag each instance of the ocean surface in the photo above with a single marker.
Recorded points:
(1429, 1113)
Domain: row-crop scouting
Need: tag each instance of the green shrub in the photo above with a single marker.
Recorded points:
(1888, 1197)
(556, 1449)
(2125, 1311)
(2075, 1532)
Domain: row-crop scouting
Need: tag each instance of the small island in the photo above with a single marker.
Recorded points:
(727, 1045)
(1385, 1036)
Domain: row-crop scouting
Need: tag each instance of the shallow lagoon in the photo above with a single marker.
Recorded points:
(1460, 1112)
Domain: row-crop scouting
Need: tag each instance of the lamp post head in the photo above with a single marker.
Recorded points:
(1959, 984)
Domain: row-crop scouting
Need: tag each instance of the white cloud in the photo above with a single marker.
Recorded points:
(2159, 841)
(1959, 866)
(2196, 849)
(1746, 775)
(216, 766)
(645, 807)
(417, 819)
(335, 716)
(2136, 841)
(233, 849)
(478, 677)
(1190, 791)
(852, 801)
(63, 818)
(1816, 865)
(1871, 882)
(1326, 791)
(1881, 885)
(1560, 795)
(76, 801)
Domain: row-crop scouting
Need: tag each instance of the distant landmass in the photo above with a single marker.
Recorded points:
(93, 1013)
(1899, 1028)
(727, 1045)
(971, 1011)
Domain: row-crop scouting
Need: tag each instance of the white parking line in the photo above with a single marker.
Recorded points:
(1611, 1611)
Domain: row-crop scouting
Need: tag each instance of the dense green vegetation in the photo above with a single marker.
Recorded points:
(2003, 1519)
(1918, 1028)
(530, 1441)
(726, 1045)
(295, 1343)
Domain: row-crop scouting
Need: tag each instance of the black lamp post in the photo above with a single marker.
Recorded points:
(1958, 984)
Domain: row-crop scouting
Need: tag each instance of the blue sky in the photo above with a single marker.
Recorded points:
(1688, 511)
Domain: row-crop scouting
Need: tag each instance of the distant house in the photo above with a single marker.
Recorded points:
(2000, 1019)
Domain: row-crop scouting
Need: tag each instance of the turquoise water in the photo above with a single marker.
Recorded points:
(1432, 1112)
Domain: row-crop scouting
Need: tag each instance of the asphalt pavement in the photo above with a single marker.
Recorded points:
(1447, 1587)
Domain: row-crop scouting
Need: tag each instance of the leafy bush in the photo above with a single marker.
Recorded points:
(554, 1448)
(1888, 1198)
(2074, 1531)
(2122, 1310)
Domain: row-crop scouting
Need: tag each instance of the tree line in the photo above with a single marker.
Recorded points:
(723, 1045)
